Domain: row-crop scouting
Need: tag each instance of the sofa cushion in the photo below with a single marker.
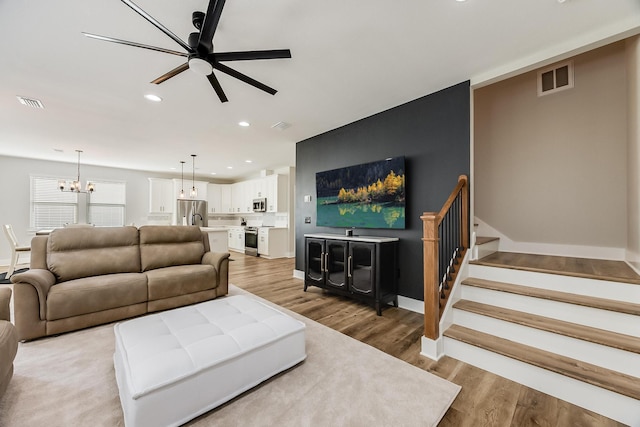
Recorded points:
(180, 280)
(165, 246)
(73, 253)
(93, 294)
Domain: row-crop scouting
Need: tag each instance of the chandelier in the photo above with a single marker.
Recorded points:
(76, 186)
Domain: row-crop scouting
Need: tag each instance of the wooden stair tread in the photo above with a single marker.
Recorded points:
(595, 375)
(481, 240)
(574, 330)
(615, 271)
(588, 301)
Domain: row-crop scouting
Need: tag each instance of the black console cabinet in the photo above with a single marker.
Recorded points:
(365, 268)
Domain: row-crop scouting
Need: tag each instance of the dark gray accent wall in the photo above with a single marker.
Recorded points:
(431, 132)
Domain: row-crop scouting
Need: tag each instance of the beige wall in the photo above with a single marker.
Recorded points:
(553, 169)
(633, 158)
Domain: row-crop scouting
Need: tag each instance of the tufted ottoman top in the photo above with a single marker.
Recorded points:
(170, 346)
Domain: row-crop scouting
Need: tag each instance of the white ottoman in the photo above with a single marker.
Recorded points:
(178, 364)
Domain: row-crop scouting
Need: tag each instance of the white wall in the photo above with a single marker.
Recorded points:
(15, 192)
(553, 169)
(633, 157)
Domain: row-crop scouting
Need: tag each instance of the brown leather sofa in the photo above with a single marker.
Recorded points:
(81, 277)
(8, 340)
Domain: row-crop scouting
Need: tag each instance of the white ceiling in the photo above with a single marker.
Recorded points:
(351, 59)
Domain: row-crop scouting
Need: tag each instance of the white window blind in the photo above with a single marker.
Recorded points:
(50, 207)
(107, 204)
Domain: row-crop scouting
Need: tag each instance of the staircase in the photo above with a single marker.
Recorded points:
(575, 338)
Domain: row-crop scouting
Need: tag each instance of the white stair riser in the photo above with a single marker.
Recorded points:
(595, 354)
(577, 285)
(613, 405)
(602, 319)
(486, 249)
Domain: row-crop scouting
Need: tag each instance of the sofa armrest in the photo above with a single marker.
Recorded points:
(215, 258)
(41, 280)
(5, 298)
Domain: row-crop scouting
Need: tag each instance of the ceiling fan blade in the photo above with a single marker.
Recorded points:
(134, 44)
(157, 24)
(216, 86)
(172, 73)
(253, 54)
(211, 19)
(238, 75)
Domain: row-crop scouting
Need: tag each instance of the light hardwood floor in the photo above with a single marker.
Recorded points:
(485, 400)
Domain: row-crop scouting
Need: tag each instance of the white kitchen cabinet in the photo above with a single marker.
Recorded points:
(237, 195)
(259, 188)
(214, 198)
(236, 239)
(241, 200)
(161, 197)
(272, 242)
(225, 198)
(277, 193)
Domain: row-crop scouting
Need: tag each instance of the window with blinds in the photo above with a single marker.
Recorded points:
(107, 204)
(50, 207)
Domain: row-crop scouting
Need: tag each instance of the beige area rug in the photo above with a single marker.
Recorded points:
(69, 381)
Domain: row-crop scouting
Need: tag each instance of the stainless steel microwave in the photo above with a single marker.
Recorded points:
(260, 205)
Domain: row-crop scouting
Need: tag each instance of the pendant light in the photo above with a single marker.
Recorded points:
(181, 195)
(194, 190)
(76, 186)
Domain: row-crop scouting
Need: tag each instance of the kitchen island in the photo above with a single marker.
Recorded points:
(218, 241)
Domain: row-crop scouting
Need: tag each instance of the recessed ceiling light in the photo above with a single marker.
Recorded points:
(213, 173)
(152, 97)
(248, 161)
(229, 167)
(243, 124)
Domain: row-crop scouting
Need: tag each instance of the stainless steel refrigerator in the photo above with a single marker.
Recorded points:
(192, 212)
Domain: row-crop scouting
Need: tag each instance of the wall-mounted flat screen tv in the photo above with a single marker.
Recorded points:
(369, 195)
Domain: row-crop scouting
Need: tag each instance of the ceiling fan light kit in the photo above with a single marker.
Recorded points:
(200, 66)
(201, 58)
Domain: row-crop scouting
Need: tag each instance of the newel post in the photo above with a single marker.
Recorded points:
(430, 222)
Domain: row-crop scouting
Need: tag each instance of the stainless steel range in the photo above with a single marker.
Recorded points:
(251, 241)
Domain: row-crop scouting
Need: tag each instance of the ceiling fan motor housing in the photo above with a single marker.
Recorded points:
(197, 18)
(193, 40)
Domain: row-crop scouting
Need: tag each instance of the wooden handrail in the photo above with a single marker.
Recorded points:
(431, 256)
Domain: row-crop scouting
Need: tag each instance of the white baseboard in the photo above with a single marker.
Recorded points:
(578, 251)
(298, 274)
(22, 260)
(433, 349)
(411, 304)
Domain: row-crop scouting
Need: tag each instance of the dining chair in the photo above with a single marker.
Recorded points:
(16, 249)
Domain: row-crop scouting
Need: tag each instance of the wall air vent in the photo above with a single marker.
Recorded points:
(35, 103)
(555, 78)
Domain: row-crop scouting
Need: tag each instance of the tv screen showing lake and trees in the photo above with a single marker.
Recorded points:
(369, 195)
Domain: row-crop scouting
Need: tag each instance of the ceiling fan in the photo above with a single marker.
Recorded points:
(199, 50)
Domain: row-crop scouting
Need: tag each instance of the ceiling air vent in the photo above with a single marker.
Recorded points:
(555, 79)
(35, 103)
(281, 126)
